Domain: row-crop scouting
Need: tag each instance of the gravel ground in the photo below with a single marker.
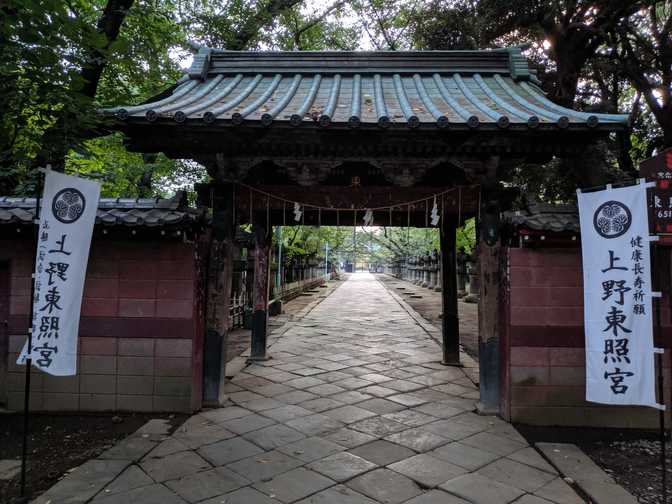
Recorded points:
(635, 464)
(57, 443)
(631, 457)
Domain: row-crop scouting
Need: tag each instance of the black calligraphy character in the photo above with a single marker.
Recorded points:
(617, 286)
(612, 262)
(53, 297)
(636, 242)
(616, 350)
(44, 236)
(637, 255)
(49, 327)
(45, 351)
(639, 282)
(638, 309)
(638, 269)
(57, 269)
(615, 320)
(638, 295)
(617, 378)
(61, 244)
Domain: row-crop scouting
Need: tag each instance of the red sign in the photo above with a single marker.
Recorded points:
(659, 169)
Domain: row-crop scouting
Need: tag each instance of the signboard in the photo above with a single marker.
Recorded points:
(617, 297)
(67, 215)
(659, 169)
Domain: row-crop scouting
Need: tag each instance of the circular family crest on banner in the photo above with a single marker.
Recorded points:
(68, 205)
(612, 219)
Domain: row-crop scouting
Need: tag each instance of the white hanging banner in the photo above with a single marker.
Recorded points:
(67, 215)
(617, 296)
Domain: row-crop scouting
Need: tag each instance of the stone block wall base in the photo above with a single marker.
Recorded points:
(260, 358)
(452, 364)
(483, 410)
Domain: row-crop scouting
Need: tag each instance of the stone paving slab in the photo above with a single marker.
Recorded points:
(385, 486)
(572, 462)
(478, 489)
(206, 484)
(174, 466)
(342, 466)
(436, 497)
(131, 478)
(338, 495)
(294, 485)
(427, 471)
(353, 408)
(9, 468)
(153, 494)
(83, 482)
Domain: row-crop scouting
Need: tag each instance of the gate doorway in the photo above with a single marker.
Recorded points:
(331, 138)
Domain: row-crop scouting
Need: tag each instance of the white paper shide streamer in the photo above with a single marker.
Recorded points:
(297, 212)
(68, 213)
(617, 297)
(435, 213)
(368, 218)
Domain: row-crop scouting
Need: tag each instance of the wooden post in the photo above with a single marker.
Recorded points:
(220, 273)
(262, 271)
(451, 321)
(489, 260)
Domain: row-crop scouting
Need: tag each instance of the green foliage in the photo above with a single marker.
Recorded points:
(129, 174)
(38, 65)
(367, 244)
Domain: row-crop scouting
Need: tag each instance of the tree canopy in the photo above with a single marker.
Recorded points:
(60, 61)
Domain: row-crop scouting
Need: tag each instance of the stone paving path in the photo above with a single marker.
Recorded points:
(353, 408)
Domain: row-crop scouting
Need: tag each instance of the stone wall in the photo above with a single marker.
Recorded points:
(544, 340)
(137, 350)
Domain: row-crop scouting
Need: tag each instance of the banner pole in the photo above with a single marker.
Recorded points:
(29, 360)
(661, 393)
(661, 417)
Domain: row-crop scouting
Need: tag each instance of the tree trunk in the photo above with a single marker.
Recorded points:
(109, 25)
(569, 63)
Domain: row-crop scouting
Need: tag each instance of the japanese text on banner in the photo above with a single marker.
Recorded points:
(68, 213)
(617, 297)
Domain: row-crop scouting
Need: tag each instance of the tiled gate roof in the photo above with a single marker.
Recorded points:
(437, 89)
(150, 212)
(546, 217)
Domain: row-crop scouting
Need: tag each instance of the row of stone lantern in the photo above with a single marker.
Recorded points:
(423, 270)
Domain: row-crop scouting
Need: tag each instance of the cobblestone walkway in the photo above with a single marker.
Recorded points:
(353, 408)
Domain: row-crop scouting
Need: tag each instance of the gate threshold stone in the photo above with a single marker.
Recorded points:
(573, 463)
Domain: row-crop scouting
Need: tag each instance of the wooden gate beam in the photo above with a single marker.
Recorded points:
(450, 325)
(262, 271)
(219, 278)
(489, 260)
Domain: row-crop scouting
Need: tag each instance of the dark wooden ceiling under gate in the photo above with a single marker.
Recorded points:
(355, 131)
